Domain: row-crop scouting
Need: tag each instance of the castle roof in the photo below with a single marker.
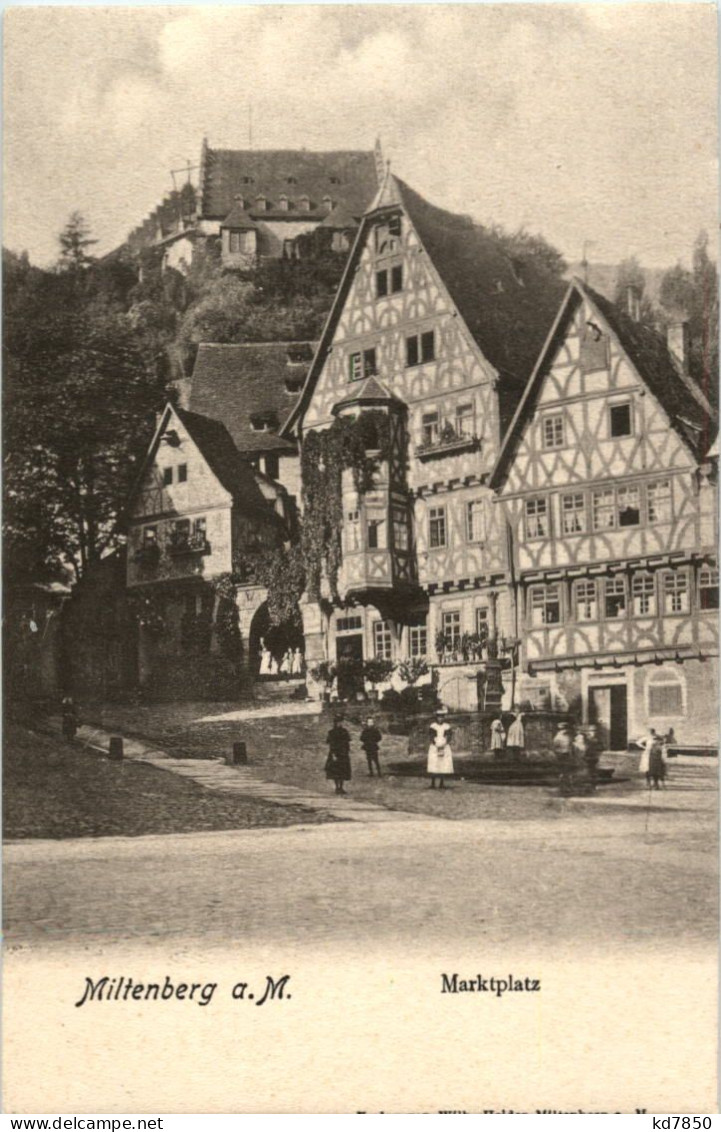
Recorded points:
(345, 177)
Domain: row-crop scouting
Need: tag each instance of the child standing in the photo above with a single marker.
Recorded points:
(370, 738)
(70, 718)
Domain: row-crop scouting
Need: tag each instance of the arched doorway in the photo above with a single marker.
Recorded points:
(275, 638)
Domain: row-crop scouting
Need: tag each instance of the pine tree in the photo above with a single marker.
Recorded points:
(74, 241)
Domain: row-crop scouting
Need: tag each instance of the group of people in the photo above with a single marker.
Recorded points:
(577, 751)
(292, 662)
(513, 743)
(337, 764)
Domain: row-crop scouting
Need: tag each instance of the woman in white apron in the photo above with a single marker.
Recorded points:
(498, 738)
(265, 659)
(440, 755)
(645, 761)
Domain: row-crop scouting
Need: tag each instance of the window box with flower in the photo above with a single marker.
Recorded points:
(440, 437)
(468, 648)
(184, 540)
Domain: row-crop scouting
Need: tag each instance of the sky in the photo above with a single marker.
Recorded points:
(587, 122)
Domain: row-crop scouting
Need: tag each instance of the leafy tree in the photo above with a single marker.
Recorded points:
(282, 571)
(80, 393)
(693, 296)
(632, 275)
(278, 301)
(524, 247)
(74, 241)
(676, 293)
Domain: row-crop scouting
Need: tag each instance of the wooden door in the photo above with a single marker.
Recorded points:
(607, 708)
(619, 718)
(349, 654)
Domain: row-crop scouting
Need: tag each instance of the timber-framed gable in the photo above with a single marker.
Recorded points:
(610, 504)
(405, 318)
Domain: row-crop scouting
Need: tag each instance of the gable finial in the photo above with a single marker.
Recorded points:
(378, 154)
(584, 261)
(386, 176)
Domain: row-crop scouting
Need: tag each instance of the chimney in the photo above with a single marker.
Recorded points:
(678, 339)
(633, 302)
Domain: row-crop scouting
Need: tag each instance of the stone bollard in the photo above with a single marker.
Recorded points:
(239, 757)
(115, 749)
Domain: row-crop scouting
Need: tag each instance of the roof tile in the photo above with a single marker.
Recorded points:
(238, 383)
(347, 176)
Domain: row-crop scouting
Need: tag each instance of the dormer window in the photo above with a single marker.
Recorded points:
(247, 180)
(263, 422)
(334, 180)
(292, 181)
(260, 203)
(304, 204)
(294, 384)
(298, 353)
(283, 202)
(328, 203)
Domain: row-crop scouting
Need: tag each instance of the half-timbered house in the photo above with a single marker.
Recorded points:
(609, 487)
(434, 327)
(195, 509)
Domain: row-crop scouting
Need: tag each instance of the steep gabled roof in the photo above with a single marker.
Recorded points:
(235, 383)
(348, 177)
(507, 306)
(685, 404)
(679, 394)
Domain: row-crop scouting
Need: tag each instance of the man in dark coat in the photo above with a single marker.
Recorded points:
(563, 750)
(370, 738)
(337, 765)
